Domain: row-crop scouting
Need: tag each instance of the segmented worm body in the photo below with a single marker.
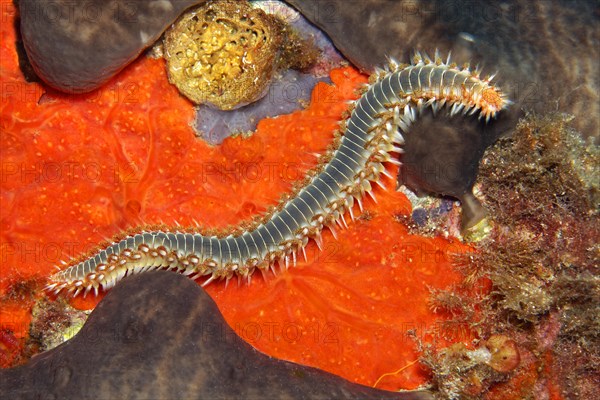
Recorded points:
(364, 144)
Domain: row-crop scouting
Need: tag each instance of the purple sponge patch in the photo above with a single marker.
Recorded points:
(290, 92)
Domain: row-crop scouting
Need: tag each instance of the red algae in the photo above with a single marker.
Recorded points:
(79, 169)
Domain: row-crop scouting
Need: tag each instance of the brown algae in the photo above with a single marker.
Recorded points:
(541, 261)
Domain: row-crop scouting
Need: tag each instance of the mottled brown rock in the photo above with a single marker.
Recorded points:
(158, 335)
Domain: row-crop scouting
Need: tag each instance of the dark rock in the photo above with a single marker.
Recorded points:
(158, 335)
(78, 46)
(442, 156)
